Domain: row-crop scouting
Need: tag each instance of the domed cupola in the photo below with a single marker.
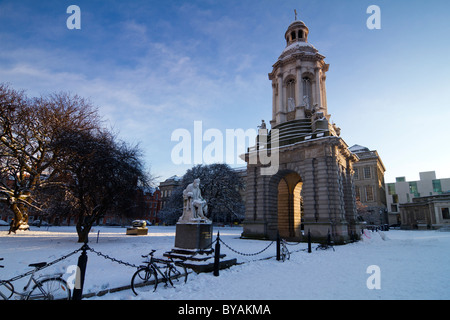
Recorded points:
(297, 31)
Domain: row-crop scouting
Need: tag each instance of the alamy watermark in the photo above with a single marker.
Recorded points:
(74, 280)
(374, 280)
(74, 20)
(232, 147)
(374, 21)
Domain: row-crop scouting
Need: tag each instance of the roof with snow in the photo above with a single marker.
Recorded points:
(357, 148)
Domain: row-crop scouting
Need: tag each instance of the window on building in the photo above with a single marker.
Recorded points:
(400, 179)
(413, 189)
(395, 198)
(300, 34)
(394, 208)
(356, 174)
(293, 35)
(391, 188)
(437, 187)
(357, 193)
(369, 194)
(445, 213)
(367, 173)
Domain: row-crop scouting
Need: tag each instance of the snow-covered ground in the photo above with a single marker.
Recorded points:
(411, 265)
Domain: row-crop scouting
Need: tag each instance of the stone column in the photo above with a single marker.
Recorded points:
(255, 224)
(324, 93)
(318, 90)
(280, 94)
(281, 112)
(299, 87)
(299, 107)
(350, 201)
(274, 101)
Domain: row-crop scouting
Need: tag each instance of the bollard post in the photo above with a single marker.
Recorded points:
(98, 234)
(278, 246)
(309, 241)
(217, 256)
(82, 262)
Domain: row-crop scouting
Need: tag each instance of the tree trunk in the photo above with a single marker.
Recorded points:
(18, 218)
(84, 226)
(83, 233)
(83, 229)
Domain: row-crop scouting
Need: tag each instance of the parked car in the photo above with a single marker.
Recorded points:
(141, 223)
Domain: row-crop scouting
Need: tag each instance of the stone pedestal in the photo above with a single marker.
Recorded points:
(137, 231)
(193, 247)
(193, 236)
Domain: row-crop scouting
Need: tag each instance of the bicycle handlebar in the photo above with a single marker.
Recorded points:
(147, 255)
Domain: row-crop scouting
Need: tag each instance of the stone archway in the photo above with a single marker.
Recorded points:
(289, 206)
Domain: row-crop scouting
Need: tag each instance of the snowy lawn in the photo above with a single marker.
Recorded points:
(412, 265)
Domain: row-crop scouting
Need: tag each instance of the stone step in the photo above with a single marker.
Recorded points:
(190, 257)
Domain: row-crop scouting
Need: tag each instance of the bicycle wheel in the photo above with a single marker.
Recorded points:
(143, 278)
(177, 274)
(50, 289)
(6, 290)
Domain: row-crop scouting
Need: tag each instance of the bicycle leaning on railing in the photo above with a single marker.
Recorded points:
(148, 274)
(47, 287)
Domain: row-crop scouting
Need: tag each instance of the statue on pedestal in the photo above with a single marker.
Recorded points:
(194, 230)
(194, 206)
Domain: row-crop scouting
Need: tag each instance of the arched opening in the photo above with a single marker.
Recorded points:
(290, 206)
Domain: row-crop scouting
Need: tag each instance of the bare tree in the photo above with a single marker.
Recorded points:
(101, 175)
(220, 187)
(28, 128)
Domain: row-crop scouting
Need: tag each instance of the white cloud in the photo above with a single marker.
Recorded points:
(163, 90)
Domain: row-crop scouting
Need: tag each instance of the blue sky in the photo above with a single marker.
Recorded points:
(153, 67)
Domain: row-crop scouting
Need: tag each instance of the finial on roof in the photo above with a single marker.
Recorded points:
(295, 11)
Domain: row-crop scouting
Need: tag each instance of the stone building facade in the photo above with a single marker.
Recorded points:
(167, 187)
(369, 184)
(404, 191)
(312, 187)
(429, 212)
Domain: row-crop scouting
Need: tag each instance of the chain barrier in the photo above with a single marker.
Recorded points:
(107, 257)
(67, 256)
(246, 254)
(112, 259)
(44, 267)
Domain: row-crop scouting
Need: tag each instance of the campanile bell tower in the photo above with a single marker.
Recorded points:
(310, 187)
(298, 79)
